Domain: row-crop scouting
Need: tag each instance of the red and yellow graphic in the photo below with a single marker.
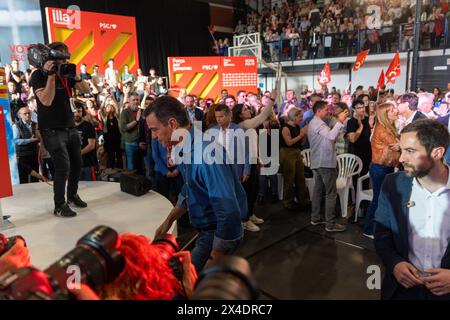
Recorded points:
(5, 177)
(205, 77)
(94, 38)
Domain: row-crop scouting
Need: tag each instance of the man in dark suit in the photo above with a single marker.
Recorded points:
(412, 222)
(194, 113)
(27, 144)
(407, 110)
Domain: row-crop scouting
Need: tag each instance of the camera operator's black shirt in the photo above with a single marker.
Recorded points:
(86, 132)
(21, 75)
(59, 115)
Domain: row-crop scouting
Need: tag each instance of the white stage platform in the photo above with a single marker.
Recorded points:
(49, 237)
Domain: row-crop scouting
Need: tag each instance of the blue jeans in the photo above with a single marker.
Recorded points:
(203, 247)
(131, 151)
(264, 185)
(377, 173)
(149, 165)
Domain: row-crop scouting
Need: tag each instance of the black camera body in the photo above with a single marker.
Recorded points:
(169, 246)
(39, 54)
(95, 256)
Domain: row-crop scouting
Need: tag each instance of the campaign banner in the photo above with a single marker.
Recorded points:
(94, 38)
(205, 77)
(8, 162)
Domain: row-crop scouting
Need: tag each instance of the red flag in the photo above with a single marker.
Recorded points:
(360, 58)
(381, 80)
(394, 69)
(325, 76)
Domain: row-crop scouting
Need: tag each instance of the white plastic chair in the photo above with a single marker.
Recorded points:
(306, 154)
(348, 166)
(362, 194)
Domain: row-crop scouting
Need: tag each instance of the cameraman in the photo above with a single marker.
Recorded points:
(57, 127)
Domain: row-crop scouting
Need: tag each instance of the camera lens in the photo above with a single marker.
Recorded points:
(228, 278)
(168, 244)
(96, 257)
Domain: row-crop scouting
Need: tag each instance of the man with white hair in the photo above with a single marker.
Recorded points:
(290, 99)
(426, 104)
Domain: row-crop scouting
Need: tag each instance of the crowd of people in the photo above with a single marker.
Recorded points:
(98, 117)
(220, 47)
(307, 29)
(115, 136)
(116, 118)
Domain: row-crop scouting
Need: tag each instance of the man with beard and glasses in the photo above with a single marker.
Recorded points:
(412, 222)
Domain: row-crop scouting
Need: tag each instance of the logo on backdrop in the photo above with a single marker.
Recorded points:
(18, 52)
(104, 25)
(71, 17)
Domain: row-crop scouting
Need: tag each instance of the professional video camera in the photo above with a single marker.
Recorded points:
(39, 54)
(227, 278)
(95, 255)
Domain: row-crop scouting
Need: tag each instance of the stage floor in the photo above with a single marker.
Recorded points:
(49, 237)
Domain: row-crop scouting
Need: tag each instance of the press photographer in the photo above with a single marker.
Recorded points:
(121, 267)
(95, 256)
(53, 82)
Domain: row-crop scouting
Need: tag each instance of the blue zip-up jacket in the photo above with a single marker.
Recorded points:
(212, 193)
(159, 154)
(240, 169)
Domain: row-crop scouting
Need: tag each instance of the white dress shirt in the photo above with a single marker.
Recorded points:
(191, 114)
(429, 225)
(112, 77)
(225, 138)
(431, 115)
(403, 122)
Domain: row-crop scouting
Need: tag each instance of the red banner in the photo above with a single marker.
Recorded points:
(205, 77)
(94, 38)
(394, 69)
(325, 75)
(381, 80)
(360, 58)
(5, 176)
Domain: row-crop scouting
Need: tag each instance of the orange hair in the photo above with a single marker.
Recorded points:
(147, 275)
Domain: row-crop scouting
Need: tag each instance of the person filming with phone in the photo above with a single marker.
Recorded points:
(53, 82)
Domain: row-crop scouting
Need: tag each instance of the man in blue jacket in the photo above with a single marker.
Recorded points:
(212, 194)
(412, 222)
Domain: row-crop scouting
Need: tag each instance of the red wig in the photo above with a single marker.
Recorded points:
(147, 275)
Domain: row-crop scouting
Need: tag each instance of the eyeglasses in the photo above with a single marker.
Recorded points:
(359, 108)
(26, 113)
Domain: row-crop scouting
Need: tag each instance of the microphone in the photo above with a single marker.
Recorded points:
(410, 204)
